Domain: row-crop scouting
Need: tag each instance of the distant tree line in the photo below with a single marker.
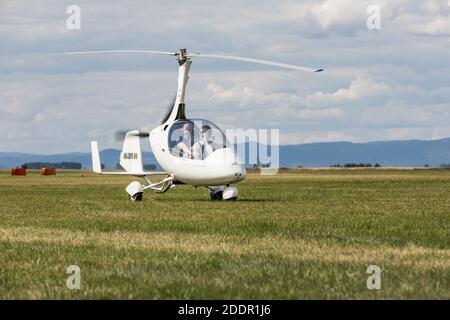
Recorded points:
(57, 165)
(441, 166)
(261, 165)
(356, 165)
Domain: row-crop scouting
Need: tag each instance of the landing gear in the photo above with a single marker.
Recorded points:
(230, 193)
(135, 191)
(216, 196)
(136, 197)
(218, 193)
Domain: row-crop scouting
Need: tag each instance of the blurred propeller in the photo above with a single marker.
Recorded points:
(120, 134)
(169, 109)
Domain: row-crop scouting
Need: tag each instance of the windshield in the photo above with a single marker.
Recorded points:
(195, 139)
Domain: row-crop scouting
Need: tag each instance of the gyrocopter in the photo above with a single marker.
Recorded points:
(190, 151)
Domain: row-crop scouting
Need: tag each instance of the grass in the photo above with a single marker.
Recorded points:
(301, 234)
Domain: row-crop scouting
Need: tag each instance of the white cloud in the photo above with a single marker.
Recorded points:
(311, 137)
(359, 89)
(392, 80)
(438, 26)
(339, 14)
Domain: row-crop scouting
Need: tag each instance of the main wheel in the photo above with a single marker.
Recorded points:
(230, 194)
(216, 196)
(136, 197)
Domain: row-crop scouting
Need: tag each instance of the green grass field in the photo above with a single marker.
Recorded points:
(301, 234)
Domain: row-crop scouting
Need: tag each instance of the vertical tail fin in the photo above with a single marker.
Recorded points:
(96, 165)
(131, 155)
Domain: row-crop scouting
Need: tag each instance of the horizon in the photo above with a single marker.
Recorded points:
(281, 145)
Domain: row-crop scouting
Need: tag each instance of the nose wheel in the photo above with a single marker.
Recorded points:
(216, 196)
(218, 193)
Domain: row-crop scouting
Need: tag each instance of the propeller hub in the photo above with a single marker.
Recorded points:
(182, 56)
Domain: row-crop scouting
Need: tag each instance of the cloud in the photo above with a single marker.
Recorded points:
(312, 137)
(339, 14)
(438, 26)
(392, 80)
(359, 89)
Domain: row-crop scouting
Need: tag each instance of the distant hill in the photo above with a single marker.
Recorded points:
(386, 153)
(109, 157)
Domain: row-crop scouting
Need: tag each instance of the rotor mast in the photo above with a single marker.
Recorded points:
(178, 109)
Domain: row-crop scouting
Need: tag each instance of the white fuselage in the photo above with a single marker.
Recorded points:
(222, 167)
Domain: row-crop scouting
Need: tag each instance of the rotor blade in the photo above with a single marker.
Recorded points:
(270, 63)
(125, 51)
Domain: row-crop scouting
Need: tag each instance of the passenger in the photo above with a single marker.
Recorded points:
(183, 148)
(205, 146)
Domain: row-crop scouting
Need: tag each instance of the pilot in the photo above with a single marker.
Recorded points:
(183, 148)
(205, 146)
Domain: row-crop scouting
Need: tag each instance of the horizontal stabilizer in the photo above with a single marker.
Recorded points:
(136, 174)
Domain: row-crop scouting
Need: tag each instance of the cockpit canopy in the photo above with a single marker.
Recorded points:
(195, 139)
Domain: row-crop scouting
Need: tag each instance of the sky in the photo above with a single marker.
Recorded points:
(387, 83)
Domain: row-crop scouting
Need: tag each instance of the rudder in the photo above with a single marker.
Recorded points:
(131, 155)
